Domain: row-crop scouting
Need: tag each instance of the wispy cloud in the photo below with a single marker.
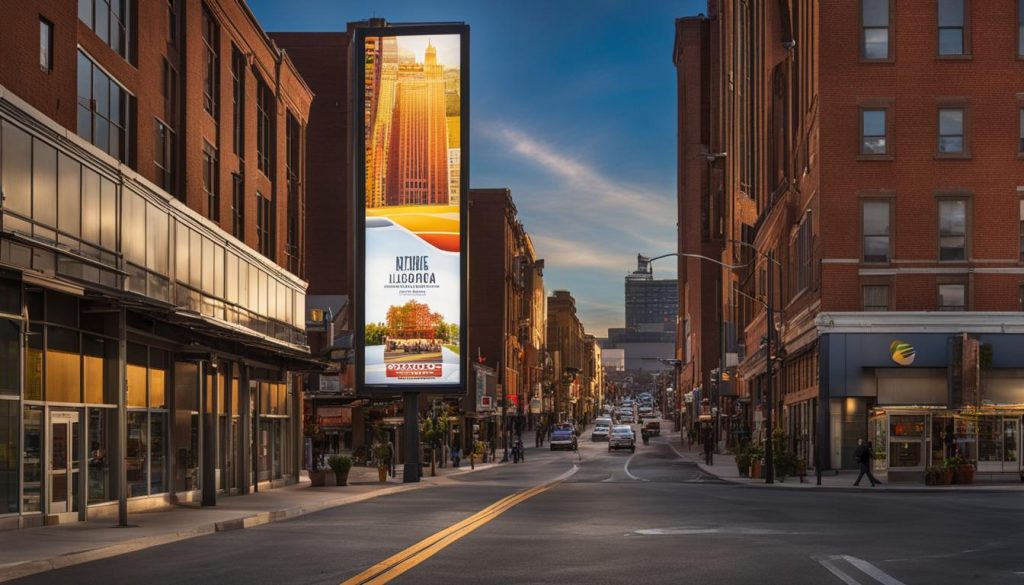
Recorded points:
(603, 193)
(560, 252)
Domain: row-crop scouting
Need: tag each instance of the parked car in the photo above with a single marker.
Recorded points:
(621, 437)
(563, 437)
(653, 427)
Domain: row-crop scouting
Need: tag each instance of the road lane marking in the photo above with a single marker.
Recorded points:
(829, 563)
(873, 571)
(399, 563)
(626, 468)
(832, 563)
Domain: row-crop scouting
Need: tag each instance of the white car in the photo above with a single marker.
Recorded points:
(600, 432)
(622, 437)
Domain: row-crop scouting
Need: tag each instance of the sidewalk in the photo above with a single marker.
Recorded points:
(34, 550)
(724, 468)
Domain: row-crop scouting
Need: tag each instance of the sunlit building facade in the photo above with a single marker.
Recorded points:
(151, 318)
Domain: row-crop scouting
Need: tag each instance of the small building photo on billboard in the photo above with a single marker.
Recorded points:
(412, 101)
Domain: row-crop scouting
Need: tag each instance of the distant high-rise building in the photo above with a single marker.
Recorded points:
(417, 165)
(651, 305)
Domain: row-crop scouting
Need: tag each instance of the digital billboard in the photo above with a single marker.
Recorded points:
(411, 184)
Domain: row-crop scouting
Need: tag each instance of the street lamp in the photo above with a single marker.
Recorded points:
(769, 475)
(769, 359)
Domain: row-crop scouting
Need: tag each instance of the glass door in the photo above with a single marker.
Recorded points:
(63, 464)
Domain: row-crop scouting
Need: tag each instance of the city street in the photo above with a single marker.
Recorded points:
(613, 518)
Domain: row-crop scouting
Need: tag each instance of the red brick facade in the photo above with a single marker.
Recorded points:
(172, 33)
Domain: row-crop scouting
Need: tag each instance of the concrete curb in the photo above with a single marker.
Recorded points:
(886, 488)
(13, 571)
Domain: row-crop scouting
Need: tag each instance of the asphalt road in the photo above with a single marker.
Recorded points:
(648, 517)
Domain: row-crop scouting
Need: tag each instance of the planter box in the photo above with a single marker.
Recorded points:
(382, 474)
(317, 478)
(341, 479)
(755, 470)
(964, 474)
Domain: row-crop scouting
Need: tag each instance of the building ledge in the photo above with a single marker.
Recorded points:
(920, 322)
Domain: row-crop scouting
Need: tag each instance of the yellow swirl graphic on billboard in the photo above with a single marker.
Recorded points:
(902, 352)
(436, 224)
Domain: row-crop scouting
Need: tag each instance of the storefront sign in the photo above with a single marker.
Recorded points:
(902, 352)
(330, 384)
(413, 172)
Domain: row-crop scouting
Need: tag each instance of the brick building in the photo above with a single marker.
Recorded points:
(568, 355)
(857, 145)
(507, 321)
(151, 280)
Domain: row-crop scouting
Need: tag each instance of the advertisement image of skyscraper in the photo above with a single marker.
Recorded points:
(412, 276)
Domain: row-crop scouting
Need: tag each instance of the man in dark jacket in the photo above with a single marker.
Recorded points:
(863, 456)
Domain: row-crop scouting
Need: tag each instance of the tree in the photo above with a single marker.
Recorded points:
(411, 320)
(433, 430)
(375, 333)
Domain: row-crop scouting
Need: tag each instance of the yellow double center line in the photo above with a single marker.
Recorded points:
(399, 563)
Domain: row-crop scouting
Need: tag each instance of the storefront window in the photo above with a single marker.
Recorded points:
(102, 421)
(906, 440)
(10, 358)
(63, 366)
(997, 443)
(10, 412)
(34, 363)
(186, 426)
(157, 452)
(135, 456)
(32, 459)
(966, 438)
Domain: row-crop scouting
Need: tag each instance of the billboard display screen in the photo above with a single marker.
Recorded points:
(412, 181)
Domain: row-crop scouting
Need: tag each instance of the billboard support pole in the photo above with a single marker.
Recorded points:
(411, 470)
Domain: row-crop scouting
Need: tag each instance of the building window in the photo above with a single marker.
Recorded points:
(951, 131)
(875, 226)
(172, 21)
(237, 206)
(264, 103)
(211, 61)
(952, 297)
(237, 101)
(952, 229)
(210, 181)
(102, 109)
(170, 89)
(293, 140)
(873, 131)
(1020, 142)
(1020, 28)
(1022, 230)
(804, 253)
(875, 34)
(876, 298)
(163, 156)
(951, 27)
(45, 45)
(110, 20)
(264, 225)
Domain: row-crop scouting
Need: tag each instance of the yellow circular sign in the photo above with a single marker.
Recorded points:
(902, 352)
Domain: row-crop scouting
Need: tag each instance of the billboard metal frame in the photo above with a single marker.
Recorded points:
(357, 66)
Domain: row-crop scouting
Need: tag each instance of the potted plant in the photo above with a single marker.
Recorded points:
(317, 475)
(340, 465)
(934, 475)
(382, 454)
(963, 470)
(756, 462)
(743, 460)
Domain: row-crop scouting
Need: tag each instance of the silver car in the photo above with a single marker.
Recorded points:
(621, 437)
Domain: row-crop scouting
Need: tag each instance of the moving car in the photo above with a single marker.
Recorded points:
(621, 437)
(653, 427)
(600, 432)
(563, 437)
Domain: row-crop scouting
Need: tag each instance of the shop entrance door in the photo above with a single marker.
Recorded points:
(63, 464)
(997, 444)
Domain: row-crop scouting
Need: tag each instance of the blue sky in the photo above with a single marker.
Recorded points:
(573, 107)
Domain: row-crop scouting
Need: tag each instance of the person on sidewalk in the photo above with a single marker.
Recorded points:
(521, 448)
(709, 446)
(540, 436)
(864, 456)
(391, 457)
(456, 456)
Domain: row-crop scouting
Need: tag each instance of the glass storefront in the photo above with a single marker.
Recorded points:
(101, 424)
(186, 427)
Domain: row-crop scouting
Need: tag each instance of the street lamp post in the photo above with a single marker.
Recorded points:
(769, 475)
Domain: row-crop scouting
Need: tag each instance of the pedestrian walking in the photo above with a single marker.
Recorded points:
(391, 456)
(540, 436)
(864, 456)
(456, 456)
(708, 439)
